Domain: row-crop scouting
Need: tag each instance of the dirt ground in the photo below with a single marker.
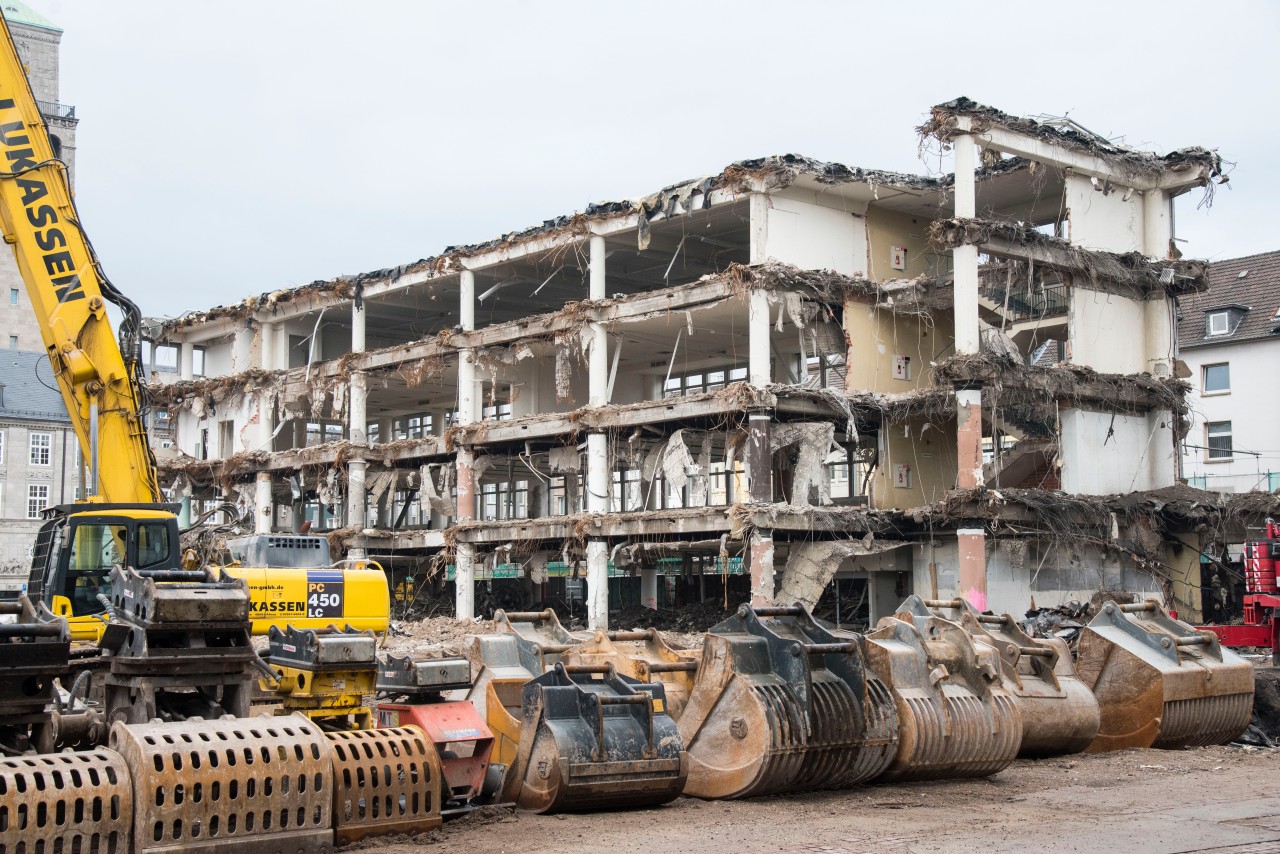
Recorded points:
(1219, 799)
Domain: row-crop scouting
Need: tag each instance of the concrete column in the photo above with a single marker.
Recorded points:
(357, 407)
(357, 507)
(972, 584)
(965, 258)
(467, 401)
(759, 460)
(186, 360)
(266, 346)
(649, 589)
(242, 349)
(597, 584)
(758, 349)
(1157, 224)
(597, 289)
(761, 565)
(467, 301)
(968, 438)
(263, 508)
(464, 553)
(759, 246)
(357, 327)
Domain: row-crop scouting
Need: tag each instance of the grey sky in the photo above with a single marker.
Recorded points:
(229, 149)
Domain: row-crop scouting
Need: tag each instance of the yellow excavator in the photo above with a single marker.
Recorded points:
(124, 520)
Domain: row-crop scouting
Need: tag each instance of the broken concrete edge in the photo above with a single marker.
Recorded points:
(1137, 525)
(943, 126)
(745, 176)
(1131, 270)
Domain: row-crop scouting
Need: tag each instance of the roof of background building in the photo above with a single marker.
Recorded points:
(17, 12)
(1252, 282)
(30, 390)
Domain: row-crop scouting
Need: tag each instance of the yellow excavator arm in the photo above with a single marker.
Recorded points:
(97, 375)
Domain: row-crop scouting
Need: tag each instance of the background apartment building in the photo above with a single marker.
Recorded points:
(748, 385)
(1229, 336)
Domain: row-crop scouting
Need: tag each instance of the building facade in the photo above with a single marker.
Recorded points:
(1229, 337)
(38, 41)
(791, 379)
(39, 456)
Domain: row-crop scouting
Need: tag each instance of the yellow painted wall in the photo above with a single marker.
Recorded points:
(930, 451)
(1184, 566)
(875, 336)
(886, 229)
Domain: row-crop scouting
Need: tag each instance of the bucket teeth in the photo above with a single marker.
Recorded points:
(592, 739)
(784, 704)
(1160, 682)
(954, 717)
(1059, 712)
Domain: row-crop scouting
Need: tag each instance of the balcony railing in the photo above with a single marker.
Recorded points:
(1043, 301)
(54, 110)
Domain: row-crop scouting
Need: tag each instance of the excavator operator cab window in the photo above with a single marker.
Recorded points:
(95, 549)
(153, 545)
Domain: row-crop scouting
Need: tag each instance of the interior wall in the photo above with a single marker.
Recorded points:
(1102, 453)
(812, 236)
(1104, 220)
(1107, 332)
(877, 337)
(929, 452)
(887, 229)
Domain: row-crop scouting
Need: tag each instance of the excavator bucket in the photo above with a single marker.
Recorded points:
(645, 656)
(385, 781)
(66, 802)
(1160, 682)
(526, 644)
(228, 785)
(1059, 712)
(954, 717)
(782, 703)
(591, 739)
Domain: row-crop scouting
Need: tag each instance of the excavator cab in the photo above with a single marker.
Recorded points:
(79, 545)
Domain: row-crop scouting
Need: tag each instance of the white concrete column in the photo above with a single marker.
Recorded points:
(357, 327)
(357, 506)
(598, 473)
(242, 349)
(1157, 224)
(758, 349)
(357, 407)
(467, 301)
(186, 360)
(464, 563)
(263, 508)
(597, 585)
(965, 258)
(597, 282)
(649, 589)
(266, 346)
(467, 402)
(759, 213)
(598, 357)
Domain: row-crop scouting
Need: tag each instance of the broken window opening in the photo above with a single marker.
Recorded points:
(822, 371)
(321, 432)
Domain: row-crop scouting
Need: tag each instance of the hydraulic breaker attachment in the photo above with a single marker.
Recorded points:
(177, 646)
(527, 643)
(1059, 713)
(231, 785)
(782, 703)
(642, 655)
(324, 674)
(591, 739)
(66, 802)
(954, 717)
(34, 714)
(414, 696)
(385, 781)
(1160, 682)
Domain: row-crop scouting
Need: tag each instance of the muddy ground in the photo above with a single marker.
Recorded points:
(1220, 799)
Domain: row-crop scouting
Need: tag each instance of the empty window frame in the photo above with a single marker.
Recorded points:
(700, 382)
(1216, 378)
(321, 432)
(1218, 440)
(412, 426)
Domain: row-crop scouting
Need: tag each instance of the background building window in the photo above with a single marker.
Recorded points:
(1218, 434)
(13, 342)
(1218, 322)
(1217, 377)
(41, 447)
(13, 296)
(37, 499)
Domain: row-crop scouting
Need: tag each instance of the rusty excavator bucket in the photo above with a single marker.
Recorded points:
(1059, 712)
(591, 739)
(782, 703)
(645, 656)
(1160, 682)
(954, 717)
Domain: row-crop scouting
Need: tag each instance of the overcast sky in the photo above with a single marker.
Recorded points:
(229, 149)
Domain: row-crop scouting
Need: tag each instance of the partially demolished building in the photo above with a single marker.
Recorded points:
(750, 384)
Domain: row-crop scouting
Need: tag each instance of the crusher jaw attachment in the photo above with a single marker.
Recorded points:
(177, 646)
(1059, 712)
(954, 717)
(782, 703)
(1160, 682)
(323, 674)
(591, 739)
(413, 694)
(527, 644)
(642, 655)
(35, 714)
